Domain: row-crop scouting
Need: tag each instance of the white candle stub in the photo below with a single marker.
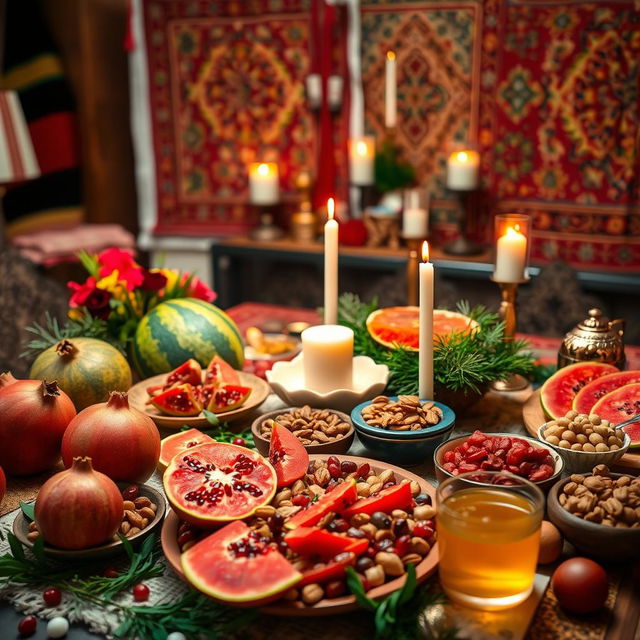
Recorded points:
(264, 187)
(511, 256)
(462, 170)
(361, 159)
(425, 345)
(327, 356)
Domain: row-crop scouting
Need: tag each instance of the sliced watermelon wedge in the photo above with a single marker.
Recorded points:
(333, 570)
(396, 497)
(177, 401)
(592, 392)
(312, 542)
(287, 455)
(620, 405)
(335, 500)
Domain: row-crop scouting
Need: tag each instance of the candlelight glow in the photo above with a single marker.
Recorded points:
(513, 232)
(361, 148)
(263, 169)
(425, 251)
(463, 156)
(331, 208)
(391, 55)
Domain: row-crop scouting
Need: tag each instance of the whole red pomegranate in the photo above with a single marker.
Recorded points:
(3, 485)
(79, 507)
(122, 442)
(6, 378)
(33, 417)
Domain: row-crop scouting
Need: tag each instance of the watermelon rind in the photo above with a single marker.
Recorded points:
(184, 328)
(211, 569)
(592, 392)
(620, 405)
(558, 392)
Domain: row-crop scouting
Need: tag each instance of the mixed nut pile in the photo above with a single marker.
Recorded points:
(310, 426)
(580, 432)
(599, 498)
(390, 540)
(406, 414)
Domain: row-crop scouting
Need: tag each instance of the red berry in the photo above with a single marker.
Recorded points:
(184, 537)
(131, 492)
(110, 572)
(301, 500)
(27, 626)
(333, 460)
(239, 441)
(348, 466)
(422, 529)
(52, 596)
(403, 545)
(364, 469)
(140, 592)
(334, 470)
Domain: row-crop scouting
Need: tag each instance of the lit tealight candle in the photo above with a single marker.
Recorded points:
(511, 256)
(425, 345)
(390, 111)
(327, 354)
(361, 156)
(264, 188)
(331, 265)
(462, 170)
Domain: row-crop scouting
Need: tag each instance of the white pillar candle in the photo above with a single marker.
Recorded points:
(462, 170)
(327, 355)
(425, 353)
(390, 112)
(264, 188)
(361, 157)
(334, 92)
(415, 223)
(331, 266)
(511, 256)
(314, 90)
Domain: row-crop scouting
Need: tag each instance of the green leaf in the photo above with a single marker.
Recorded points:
(16, 547)
(28, 510)
(38, 550)
(211, 417)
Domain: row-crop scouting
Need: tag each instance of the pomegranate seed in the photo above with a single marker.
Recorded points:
(185, 537)
(334, 470)
(364, 469)
(140, 592)
(110, 572)
(239, 441)
(52, 596)
(403, 545)
(131, 492)
(422, 529)
(333, 461)
(348, 466)
(301, 500)
(27, 626)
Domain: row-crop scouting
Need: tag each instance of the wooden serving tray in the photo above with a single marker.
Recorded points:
(534, 416)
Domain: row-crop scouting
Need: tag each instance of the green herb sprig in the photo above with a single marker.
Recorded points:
(222, 433)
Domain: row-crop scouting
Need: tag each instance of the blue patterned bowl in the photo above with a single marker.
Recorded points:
(403, 447)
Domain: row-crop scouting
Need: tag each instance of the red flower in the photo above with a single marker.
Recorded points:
(128, 269)
(81, 291)
(198, 289)
(97, 303)
(153, 281)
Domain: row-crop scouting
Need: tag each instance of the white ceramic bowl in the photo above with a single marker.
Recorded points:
(584, 461)
(287, 381)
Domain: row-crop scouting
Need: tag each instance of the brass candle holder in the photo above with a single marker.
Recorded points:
(413, 260)
(509, 293)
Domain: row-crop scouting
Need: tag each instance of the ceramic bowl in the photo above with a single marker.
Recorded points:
(594, 540)
(442, 474)
(403, 447)
(584, 461)
(287, 381)
(334, 447)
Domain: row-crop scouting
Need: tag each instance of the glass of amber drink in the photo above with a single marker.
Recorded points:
(488, 535)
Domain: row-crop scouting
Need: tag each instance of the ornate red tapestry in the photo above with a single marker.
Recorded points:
(549, 91)
(226, 88)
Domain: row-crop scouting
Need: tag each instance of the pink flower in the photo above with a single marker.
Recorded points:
(198, 289)
(129, 271)
(81, 291)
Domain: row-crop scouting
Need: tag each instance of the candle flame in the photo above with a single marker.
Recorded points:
(391, 55)
(425, 251)
(331, 208)
(516, 227)
(361, 148)
(463, 156)
(263, 169)
(514, 231)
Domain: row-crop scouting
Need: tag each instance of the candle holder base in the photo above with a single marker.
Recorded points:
(515, 382)
(267, 230)
(463, 247)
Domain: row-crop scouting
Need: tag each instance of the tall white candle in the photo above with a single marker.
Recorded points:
(331, 266)
(264, 188)
(327, 357)
(462, 170)
(361, 157)
(415, 223)
(425, 353)
(390, 112)
(511, 256)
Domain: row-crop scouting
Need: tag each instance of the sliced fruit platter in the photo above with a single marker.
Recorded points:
(181, 396)
(283, 531)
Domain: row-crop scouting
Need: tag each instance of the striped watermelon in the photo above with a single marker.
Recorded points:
(86, 369)
(184, 328)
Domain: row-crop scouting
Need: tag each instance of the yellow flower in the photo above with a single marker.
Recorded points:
(75, 314)
(115, 286)
(172, 276)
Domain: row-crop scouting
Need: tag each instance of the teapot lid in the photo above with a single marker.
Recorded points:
(595, 321)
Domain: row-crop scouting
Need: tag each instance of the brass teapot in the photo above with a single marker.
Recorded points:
(595, 339)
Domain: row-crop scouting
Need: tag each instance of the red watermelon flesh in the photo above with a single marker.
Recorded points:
(620, 405)
(561, 388)
(287, 455)
(592, 392)
(238, 566)
(175, 444)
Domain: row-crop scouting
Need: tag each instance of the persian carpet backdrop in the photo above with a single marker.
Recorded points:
(548, 92)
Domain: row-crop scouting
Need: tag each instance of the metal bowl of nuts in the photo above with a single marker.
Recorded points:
(319, 430)
(402, 429)
(584, 441)
(599, 513)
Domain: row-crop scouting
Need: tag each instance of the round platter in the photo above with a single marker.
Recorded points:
(250, 353)
(325, 607)
(534, 417)
(21, 529)
(138, 397)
